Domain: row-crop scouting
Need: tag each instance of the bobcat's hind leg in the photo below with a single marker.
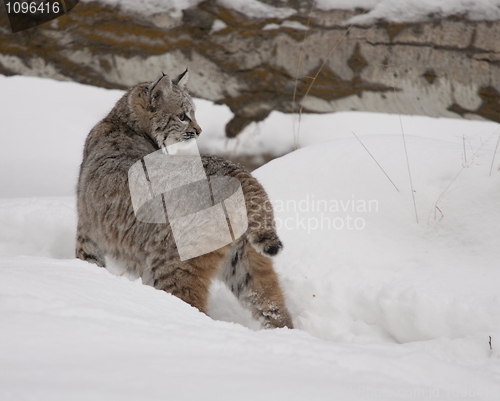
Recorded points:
(251, 278)
(88, 250)
(188, 280)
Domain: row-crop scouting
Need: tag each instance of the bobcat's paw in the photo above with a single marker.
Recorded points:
(277, 317)
(267, 244)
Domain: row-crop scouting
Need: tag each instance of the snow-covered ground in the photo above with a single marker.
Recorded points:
(384, 307)
(389, 10)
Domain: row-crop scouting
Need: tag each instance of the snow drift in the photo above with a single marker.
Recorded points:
(385, 307)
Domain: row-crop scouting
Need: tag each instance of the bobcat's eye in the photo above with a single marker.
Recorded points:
(183, 117)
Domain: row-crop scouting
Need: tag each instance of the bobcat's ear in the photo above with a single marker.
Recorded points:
(182, 79)
(159, 88)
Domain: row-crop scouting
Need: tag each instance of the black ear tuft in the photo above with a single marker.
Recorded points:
(182, 79)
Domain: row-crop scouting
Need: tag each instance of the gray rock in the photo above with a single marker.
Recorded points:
(440, 68)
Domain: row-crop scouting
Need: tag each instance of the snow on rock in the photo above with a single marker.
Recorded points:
(389, 10)
(286, 24)
(420, 10)
(252, 8)
(257, 9)
(150, 7)
(384, 308)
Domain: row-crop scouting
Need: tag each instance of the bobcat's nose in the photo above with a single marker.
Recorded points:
(197, 129)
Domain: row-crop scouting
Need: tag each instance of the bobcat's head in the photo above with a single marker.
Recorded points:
(165, 110)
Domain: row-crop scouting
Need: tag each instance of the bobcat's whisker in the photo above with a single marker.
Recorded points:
(123, 272)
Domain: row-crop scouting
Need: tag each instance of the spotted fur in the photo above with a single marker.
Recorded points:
(149, 117)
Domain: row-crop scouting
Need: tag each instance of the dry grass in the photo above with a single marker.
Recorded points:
(494, 154)
(407, 159)
(464, 166)
(375, 160)
(301, 58)
(296, 134)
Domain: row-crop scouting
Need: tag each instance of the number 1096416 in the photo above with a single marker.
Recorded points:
(24, 7)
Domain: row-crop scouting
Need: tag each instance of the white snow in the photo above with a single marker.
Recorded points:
(150, 7)
(252, 8)
(256, 9)
(286, 24)
(421, 10)
(389, 10)
(384, 308)
(218, 25)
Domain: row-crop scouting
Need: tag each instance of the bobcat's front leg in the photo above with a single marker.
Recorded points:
(88, 250)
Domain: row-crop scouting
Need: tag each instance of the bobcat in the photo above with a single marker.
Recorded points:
(149, 117)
